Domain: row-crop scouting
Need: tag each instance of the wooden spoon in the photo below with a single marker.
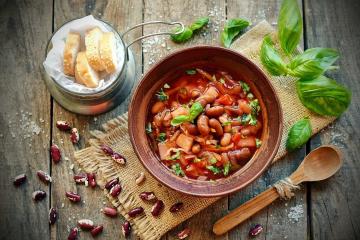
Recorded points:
(319, 164)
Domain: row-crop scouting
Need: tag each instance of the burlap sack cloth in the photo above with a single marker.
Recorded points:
(115, 134)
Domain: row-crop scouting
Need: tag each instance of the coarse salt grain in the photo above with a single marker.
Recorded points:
(296, 212)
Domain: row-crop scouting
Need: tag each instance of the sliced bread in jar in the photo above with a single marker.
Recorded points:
(92, 44)
(108, 52)
(84, 73)
(71, 49)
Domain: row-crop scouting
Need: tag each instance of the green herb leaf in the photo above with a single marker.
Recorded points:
(255, 106)
(161, 95)
(179, 120)
(250, 96)
(148, 128)
(227, 123)
(199, 23)
(290, 25)
(258, 142)
(222, 80)
(161, 137)
(227, 168)
(191, 71)
(215, 170)
(313, 62)
(174, 156)
(212, 160)
(299, 134)
(177, 169)
(323, 96)
(232, 29)
(270, 58)
(181, 37)
(253, 120)
(245, 87)
(195, 110)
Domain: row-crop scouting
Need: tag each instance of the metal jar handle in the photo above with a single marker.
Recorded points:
(152, 34)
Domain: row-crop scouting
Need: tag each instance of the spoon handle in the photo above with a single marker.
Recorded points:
(245, 211)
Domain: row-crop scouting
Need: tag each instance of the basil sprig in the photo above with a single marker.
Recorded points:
(189, 31)
(323, 96)
(290, 25)
(299, 134)
(271, 59)
(232, 29)
(313, 62)
(195, 111)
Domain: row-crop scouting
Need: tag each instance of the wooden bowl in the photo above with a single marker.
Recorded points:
(241, 68)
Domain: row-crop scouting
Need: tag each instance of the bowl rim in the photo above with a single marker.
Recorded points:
(247, 61)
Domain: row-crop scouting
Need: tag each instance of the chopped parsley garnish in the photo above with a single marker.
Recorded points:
(227, 168)
(196, 160)
(215, 170)
(227, 123)
(213, 160)
(255, 107)
(161, 95)
(222, 80)
(191, 71)
(245, 87)
(175, 156)
(161, 137)
(250, 96)
(166, 85)
(177, 169)
(258, 142)
(247, 118)
(148, 128)
(253, 120)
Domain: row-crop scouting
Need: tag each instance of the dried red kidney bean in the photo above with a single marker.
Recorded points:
(43, 176)
(148, 196)
(63, 125)
(157, 208)
(19, 179)
(111, 183)
(184, 233)
(126, 229)
(255, 230)
(109, 211)
(97, 230)
(135, 212)
(38, 195)
(107, 150)
(92, 179)
(86, 224)
(115, 190)
(176, 207)
(55, 153)
(74, 137)
(80, 178)
(52, 215)
(118, 158)
(74, 197)
(73, 233)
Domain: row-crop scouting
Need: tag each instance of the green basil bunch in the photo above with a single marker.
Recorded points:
(232, 28)
(189, 31)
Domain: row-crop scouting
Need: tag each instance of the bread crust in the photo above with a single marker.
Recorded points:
(108, 52)
(92, 42)
(84, 73)
(72, 47)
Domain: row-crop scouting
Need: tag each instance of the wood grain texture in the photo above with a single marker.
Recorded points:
(24, 117)
(121, 14)
(335, 207)
(274, 218)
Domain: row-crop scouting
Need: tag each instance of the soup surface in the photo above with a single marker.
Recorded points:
(204, 125)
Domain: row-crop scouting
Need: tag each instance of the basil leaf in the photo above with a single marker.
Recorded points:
(199, 23)
(271, 59)
(290, 25)
(181, 37)
(232, 28)
(299, 134)
(195, 110)
(313, 62)
(323, 96)
(179, 120)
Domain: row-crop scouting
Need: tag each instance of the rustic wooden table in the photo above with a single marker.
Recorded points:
(326, 210)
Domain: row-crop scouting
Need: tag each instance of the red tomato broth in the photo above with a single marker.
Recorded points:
(180, 96)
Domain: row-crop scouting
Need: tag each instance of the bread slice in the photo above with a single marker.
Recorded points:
(84, 73)
(108, 52)
(72, 47)
(92, 43)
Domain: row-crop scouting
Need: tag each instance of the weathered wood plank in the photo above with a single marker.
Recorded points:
(158, 47)
(121, 14)
(275, 219)
(24, 118)
(335, 207)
